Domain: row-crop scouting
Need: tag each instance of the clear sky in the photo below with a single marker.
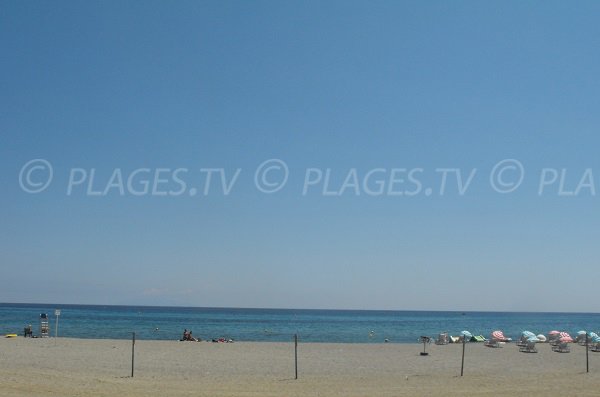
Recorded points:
(336, 85)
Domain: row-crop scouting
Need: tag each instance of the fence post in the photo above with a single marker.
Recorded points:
(462, 365)
(296, 355)
(587, 353)
(132, 353)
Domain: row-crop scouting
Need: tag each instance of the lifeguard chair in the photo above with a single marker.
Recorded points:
(44, 326)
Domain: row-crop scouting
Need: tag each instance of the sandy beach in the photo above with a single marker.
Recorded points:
(86, 367)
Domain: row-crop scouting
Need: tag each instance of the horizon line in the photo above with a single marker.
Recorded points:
(58, 305)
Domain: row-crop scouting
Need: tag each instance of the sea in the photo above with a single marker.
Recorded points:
(280, 325)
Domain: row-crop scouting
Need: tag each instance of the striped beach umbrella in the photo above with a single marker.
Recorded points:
(553, 335)
(527, 334)
(596, 339)
(466, 334)
(499, 335)
(593, 335)
(565, 337)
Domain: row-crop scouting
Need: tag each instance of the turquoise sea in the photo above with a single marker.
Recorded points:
(353, 326)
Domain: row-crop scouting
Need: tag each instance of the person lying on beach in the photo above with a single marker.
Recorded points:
(222, 340)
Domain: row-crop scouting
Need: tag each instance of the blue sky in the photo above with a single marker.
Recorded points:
(339, 85)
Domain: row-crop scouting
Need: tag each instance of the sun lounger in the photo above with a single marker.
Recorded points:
(529, 347)
(477, 338)
(561, 347)
(492, 343)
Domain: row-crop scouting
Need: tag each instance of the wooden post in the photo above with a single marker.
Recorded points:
(132, 352)
(587, 353)
(462, 365)
(296, 355)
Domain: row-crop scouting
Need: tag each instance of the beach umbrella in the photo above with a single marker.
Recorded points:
(527, 334)
(553, 335)
(533, 339)
(466, 334)
(581, 332)
(565, 337)
(596, 339)
(542, 338)
(499, 335)
(593, 335)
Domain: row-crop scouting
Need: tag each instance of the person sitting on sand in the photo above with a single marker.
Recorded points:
(191, 338)
(186, 335)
